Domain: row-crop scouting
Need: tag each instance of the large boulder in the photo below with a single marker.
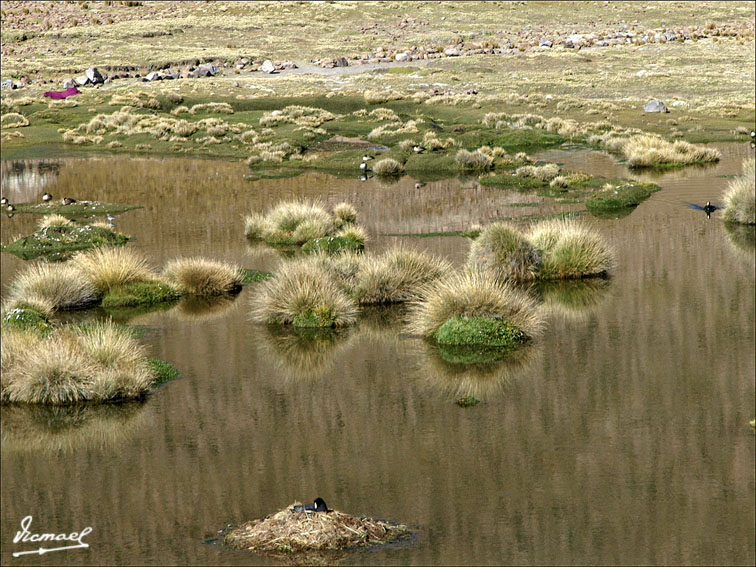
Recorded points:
(82, 80)
(655, 106)
(268, 67)
(94, 76)
(153, 76)
(69, 84)
(451, 52)
(341, 62)
(207, 70)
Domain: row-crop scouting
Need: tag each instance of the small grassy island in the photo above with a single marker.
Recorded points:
(58, 237)
(740, 197)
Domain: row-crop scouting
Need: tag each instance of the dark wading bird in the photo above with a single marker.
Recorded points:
(318, 505)
(708, 208)
(47, 197)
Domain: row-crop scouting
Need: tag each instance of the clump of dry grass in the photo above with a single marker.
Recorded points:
(504, 252)
(740, 196)
(388, 166)
(473, 161)
(569, 250)
(543, 173)
(53, 220)
(110, 267)
(202, 276)
(300, 115)
(303, 294)
(291, 532)
(62, 285)
(217, 107)
(472, 294)
(13, 120)
(296, 222)
(648, 150)
(101, 362)
(396, 275)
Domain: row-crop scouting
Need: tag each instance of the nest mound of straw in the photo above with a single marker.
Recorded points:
(290, 532)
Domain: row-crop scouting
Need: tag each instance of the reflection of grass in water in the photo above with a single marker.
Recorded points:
(303, 353)
(200, 308)
(35, 428)
(481, 376)
(259, 251)
(742, 241)
(573, 299)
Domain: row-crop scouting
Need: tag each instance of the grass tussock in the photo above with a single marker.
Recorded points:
(504, 252)
(397, 275)
(291, 532)
(202, 276)
(544, 173)
(62, 286)
(648, 150)
(570, 250)
(472, 294)
(740, 196)
(100, 362)
(388, 166)
(473, 161)
(53, 220)
(109, 268)
(31, 313)
(296, 222)
(303, 294)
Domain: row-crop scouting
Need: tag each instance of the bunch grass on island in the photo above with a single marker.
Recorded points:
(650, 150)
(73, 364)
(296, 222)
(473, 308)
(303, 294)
(570, 250)
(289, 532)
(202, 276)
(64, 286)
(110, 268)
(554, 249)
(396, 275)
(740, 196)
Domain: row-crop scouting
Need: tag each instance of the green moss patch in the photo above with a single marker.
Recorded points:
(620, 197)
(80, 208)
(511, 181)
(163, 371)
(322, 317)
(58, 239)
(480, 331)
(26, 318)
(332, 245)
(467, 401)
(139, 293)
(254, 276)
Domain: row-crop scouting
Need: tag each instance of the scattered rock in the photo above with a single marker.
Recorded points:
(268, 67)
(207, 70)
(6, 84)
(341, 62)
(401, 56)
(69, 84)
(451, 52)
(153, 76)
(288, 65)
(82, 80)
(655, 106)
(545, 43)
(94, 76)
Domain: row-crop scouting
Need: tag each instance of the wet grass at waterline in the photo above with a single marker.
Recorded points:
(612, 197)
(72, 364)
(740, 196)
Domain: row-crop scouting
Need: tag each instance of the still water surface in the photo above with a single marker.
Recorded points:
(622, 437)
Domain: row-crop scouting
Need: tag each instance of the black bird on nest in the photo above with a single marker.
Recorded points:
(318, 505)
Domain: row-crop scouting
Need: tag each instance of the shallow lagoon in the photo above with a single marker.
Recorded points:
(622, 438)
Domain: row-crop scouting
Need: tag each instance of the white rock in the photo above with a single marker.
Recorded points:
(268, 67)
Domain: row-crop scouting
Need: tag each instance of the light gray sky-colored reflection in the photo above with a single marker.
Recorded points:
(627, 441)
